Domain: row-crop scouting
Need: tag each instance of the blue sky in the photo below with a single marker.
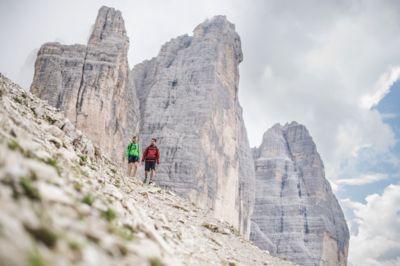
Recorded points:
(379, 164)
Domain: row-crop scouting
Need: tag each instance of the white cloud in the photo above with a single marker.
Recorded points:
(377, 241)
(363, 180)
(310, 61)
(313, 62)
(382, 88)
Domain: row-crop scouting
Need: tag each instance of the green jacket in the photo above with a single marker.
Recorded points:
(132, 149)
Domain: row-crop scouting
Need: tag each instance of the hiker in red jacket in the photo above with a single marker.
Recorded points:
(151, 156)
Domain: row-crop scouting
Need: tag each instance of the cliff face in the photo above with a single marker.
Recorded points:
(63, 202)
(296, 214)
(91, 83)
(188, 101)
(187, 98)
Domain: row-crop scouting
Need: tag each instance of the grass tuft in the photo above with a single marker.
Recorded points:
(109, 214)
(88, 199)
(44, 235)
(29, 189)
(155, 262)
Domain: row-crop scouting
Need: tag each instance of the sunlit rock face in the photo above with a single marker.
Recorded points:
(296, 214)
(91, 83)
(189, 101)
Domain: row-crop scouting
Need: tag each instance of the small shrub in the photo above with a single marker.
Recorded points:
(155, 262)
(53, 162)
(77, 186)
(88, 199)
(109, 214)
(124, 232)
(35, 259)
(44, 235)
(14, 145)
(29, 189)
(83, 159)
(74, 245)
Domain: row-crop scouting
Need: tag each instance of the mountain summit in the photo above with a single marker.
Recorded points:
(296, 214)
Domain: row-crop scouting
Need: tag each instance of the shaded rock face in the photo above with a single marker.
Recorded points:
(189, 101)
(296, 214)
(57, 209)
(91, 83)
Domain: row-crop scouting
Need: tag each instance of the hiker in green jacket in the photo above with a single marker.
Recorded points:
(133, 151)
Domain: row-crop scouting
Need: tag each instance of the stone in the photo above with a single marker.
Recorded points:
(296, 215)
(91, 84)
(188, 98)
(53, 193)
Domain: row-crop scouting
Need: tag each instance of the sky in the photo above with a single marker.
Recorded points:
(330, 65)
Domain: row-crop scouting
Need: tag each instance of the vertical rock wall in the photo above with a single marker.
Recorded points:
(91, 83)
(296, 214)
(188, 101)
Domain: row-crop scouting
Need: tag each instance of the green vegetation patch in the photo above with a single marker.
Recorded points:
(155, 262)
(35, 258)
(109, 214)
(88, 199)
(15, 146)
(44, 235)
(78, 186)
(29, 189)
(82, 159)
(124, 232)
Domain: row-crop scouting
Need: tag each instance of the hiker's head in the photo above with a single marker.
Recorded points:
(134, 139)
(153, 141)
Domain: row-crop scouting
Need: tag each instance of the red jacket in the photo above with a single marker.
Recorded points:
(151, 153)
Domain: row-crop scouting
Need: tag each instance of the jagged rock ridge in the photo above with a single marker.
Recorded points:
(63, 202)
(91, 83)
(296, 214)
(188, 98)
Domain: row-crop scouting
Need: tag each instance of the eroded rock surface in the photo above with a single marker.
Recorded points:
(63, 202)
(189, 101)
(296, 214)
(91, 83)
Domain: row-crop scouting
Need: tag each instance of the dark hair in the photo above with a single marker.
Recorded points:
(155, 140)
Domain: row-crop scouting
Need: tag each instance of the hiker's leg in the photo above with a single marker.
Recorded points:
(145, 177)
(151, 175)
(135, 166)
(129, 169)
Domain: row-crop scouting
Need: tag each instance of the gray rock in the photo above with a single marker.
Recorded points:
(91, 83)
(296, 214)
(189, 101)
(57, 213)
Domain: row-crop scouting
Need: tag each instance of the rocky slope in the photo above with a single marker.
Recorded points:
(296, 215)
(63, 202)
(188, 98)
(91, 83)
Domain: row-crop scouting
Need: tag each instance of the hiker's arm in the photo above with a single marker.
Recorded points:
(144, 155)
(127, 151)
(158, 156)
